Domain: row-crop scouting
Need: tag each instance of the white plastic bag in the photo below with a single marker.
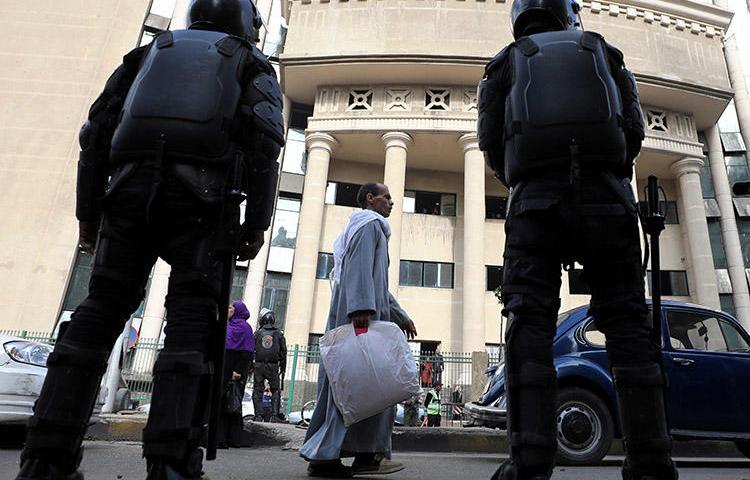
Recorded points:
(368, 372)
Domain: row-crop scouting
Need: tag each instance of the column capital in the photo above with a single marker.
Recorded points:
(469, 141)
(321, 140)
(397, 139)
(686, 165)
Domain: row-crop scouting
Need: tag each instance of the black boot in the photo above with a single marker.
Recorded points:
(258, 402)
(38, 469)
(190, 468)
(532, 408)
(177, 417)
(648, 446)
(508, 471)
(276, 407)
(61, 414)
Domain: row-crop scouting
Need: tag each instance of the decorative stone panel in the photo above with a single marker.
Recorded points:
(437, 99)
(666, 124)
(360, 99)
(615, 9)
(470, 100)
(397, 99)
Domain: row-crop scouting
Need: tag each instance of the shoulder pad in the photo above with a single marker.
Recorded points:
(133, 58)
(498, 59)
(261, 60)
(615, 54)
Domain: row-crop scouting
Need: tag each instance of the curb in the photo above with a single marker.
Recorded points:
(466, 440)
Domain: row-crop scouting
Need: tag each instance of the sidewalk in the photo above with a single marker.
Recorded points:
(447, 439)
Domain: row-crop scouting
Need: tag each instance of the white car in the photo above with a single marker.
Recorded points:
(22, 371)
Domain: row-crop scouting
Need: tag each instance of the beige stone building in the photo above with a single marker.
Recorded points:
(380, 90)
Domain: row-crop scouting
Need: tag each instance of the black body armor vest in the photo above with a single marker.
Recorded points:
(184, 100)
(563, 106)
(267, 344)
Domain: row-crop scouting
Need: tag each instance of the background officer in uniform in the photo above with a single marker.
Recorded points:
(183, 126)
(270, 363)
(560, 124)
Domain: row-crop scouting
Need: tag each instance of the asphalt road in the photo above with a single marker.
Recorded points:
(122, 461)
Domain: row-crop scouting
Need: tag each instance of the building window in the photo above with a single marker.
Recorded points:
(707, 181)
(276, 295)
(426, 274)
(577, 284)
(743, 227)
(717, 243)
(325, 266)
(737, 169)
(727, 304)
(284, 234)
(238, 284)
(313, 347)
(495, 207)
(430, 203)
(673, 283)
(344, 194)
(273, 31)
(360, 99)
(669, 209)
(494, 277)
(78, 289)
(295, 154)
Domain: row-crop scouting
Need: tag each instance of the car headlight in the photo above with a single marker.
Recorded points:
(28, 352)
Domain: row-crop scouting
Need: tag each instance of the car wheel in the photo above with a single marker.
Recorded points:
(744, 447)
(584, 427)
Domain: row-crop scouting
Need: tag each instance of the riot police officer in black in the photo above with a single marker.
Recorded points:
(183, 127)
(560, 124)
(270, 363)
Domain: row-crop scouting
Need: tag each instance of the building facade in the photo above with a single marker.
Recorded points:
(385, 91)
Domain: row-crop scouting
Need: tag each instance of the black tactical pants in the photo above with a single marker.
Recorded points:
(263, 372)
(149, 215)
(551, 223)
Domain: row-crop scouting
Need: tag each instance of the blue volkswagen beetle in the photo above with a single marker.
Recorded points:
(707, 361)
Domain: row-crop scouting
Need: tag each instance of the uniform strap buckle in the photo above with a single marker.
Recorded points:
(527, 46)
(589, 41)
(228, 46)
(165, 40)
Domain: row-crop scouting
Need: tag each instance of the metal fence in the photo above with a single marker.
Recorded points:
(137, 366)
(42, 337)
(453, 370)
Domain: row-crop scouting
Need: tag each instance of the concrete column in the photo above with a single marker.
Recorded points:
(299, 312)
(153, 316)
(396, 145)
(704, 291)
(737, 77)
(729, 232)
(153, 313)
(256, 275)
(474, 275)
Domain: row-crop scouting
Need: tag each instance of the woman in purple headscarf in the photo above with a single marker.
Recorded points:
(238, 359)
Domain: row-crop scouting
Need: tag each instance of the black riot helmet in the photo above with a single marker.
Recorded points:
(235, 17)
(536, 16)
(267, 317)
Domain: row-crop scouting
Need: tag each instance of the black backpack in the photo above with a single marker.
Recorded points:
(564, 104)
(184, 99)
